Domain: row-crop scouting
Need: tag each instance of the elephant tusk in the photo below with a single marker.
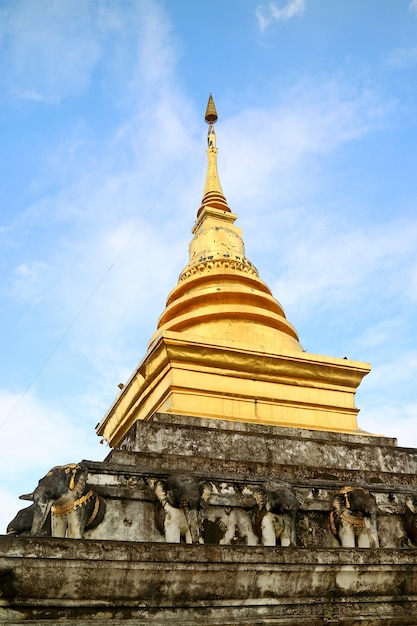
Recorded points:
(27, 496)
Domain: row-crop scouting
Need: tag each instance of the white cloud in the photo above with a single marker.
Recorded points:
(35, 96)
(390, 421)
(28, 280)
(361, 259)
(266, 15)
(35, 437)
(402, 58)
(53, 59)
(53, 50)
(33, 432)
(312, 121)
(96, 254)
(413, 5)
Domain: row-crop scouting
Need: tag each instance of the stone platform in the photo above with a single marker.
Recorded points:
(48, 580)
(125, 572)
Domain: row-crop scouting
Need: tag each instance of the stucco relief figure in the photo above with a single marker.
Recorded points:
(353, 520)
(410, 520)
(73, 505)
(176, 514)
(224, 525)
(275, 520)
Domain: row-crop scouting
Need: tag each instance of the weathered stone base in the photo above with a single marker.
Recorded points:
(48, 580)
(237, 458)
(124, 572)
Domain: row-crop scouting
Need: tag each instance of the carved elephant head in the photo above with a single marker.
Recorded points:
(183, 491)
(179, 498)
(276, 516)
(358, 500)
(73, 506)
(354, 518)
(277, 498)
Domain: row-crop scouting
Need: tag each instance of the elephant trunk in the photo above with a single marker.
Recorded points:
(410, 505)
(40, 513)
(191, 515)
(373, 533)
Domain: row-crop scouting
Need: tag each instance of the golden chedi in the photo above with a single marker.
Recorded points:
(223, 348)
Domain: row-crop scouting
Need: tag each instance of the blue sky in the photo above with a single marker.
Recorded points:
(102, 171)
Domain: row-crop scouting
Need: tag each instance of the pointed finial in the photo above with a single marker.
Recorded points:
(211, 113)
(213, 195)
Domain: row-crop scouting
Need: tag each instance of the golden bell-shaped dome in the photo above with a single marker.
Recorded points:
(219, 295)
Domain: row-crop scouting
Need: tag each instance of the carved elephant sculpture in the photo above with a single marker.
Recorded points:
(275, 520)
(176, 515)
(353, 520)
(231, 525)
(410, 520)
(224, 525)
(73, 505)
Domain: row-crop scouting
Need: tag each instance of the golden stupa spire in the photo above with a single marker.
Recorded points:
(213, 194)
(219, 294)
(224, 349)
